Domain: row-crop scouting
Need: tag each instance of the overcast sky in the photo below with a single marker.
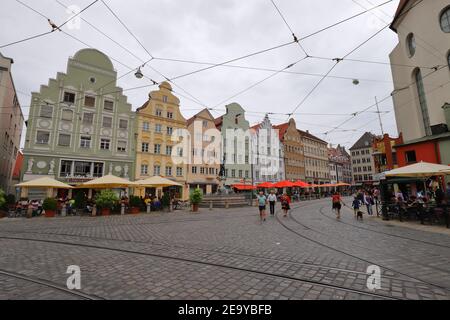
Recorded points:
(215, 31)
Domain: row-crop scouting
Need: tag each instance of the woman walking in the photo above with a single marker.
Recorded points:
(285, 204)
(337, 206)
(262, 201)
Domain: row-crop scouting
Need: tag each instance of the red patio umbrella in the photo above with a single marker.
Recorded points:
(243, 187)
(284, 184)
(265, 185)
(301, 184)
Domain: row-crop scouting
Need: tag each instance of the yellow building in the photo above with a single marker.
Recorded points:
(158, 153)
(204, 165)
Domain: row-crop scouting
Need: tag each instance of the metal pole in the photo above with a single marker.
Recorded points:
(379, 116)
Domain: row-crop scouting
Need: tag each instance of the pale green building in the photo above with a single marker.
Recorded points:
(80, 125)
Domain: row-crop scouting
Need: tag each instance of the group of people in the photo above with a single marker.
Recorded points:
(367, 198)
(271, 200)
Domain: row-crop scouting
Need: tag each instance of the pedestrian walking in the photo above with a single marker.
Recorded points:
(285, 204)
(356, 206)
(368, 201)
(272, 202)
(337, 204)
(262, 201)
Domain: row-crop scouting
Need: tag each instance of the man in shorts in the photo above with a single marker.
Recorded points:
(262, 201)
(337, 206)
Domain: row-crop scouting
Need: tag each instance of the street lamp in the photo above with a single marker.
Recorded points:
(139, 73)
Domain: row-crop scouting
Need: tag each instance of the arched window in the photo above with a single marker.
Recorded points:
(422, 101)
(445, 20)
(411, 44)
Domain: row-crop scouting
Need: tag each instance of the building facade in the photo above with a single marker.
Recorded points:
(236, 148)
(268, 153)
(384, 153)
(422, 94)
(316, 159)
(162, 140)
(362, 159)
(340, 165)
(11, 125)
(80, 125)
(294, 158)
(204, 165)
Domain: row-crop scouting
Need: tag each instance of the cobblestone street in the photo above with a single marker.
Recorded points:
(222, 254)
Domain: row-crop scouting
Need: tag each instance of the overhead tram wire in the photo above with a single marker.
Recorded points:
(354, 115)
(148, 52)
(44, 33)
(289, 27)
(261, 81)
(337, 61)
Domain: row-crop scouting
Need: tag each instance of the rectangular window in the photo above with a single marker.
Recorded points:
(179, 152)
(42, 137)
(205, 124)
(67, 115)
(156, 170)
(46, 112)
(157, 149)
(202, 170)
(240, 173)
(168, 171)
(170, 115)
(108, 105)
(85, 142)
(233, 173)
(165, 99)
(107, 122)
(146, 126)
(69, 97)
(194, 170)
(169, 150)
(121, 146)
(158, 112)
(82, 169)
(411, 156)
(64, 140)
(88, 118)
(98, 169)
(145, 147)
(179, 172)
(226, 173)
(105, 144)
(144, 170)
(123, 124)
(158, 128)
(169, 131)
(66, 168)
(89, 101)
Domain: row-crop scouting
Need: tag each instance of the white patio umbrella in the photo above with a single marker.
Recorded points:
(420, 170)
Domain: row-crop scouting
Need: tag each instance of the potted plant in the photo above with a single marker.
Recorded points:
(135, 204)
(2, 204)
(165, 201)
(196, 197)
(105, 200)
(50, 205)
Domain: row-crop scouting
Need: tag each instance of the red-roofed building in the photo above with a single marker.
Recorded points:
(294, 158)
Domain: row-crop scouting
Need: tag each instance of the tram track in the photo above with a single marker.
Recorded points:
(347, 253)
(49, 284)
(386, 233)
(211, 264)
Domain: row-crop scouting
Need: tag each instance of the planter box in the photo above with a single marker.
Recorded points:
(106, 212)
(50, 213)
(195, 207)
(135, 210)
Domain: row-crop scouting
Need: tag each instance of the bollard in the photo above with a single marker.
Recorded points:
(210, 205)
(94, 210)
(227, 206)
(29, 212)
(122, 209)
(63, 210)
(148, 207)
